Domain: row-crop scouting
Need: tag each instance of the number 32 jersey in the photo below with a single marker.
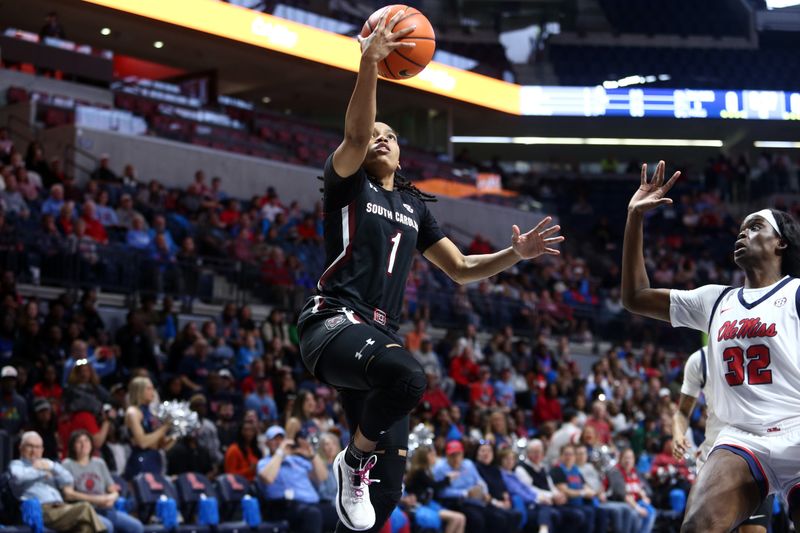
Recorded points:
(753, 351)
(370, 238)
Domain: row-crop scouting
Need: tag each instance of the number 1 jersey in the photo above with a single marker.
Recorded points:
(370, 238)
(753, 352)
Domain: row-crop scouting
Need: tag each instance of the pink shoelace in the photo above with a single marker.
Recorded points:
(361, 477)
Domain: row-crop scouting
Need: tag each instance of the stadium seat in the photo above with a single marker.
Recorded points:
(231, 489)
(148, 489)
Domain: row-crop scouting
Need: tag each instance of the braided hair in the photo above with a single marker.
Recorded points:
(401, 184)
(790, 234)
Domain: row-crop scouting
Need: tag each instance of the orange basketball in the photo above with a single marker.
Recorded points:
(405, 63)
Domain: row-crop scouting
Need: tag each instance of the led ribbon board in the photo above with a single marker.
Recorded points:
(274, 33)
(671, 103)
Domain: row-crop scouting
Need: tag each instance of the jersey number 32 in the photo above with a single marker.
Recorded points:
(756, 365)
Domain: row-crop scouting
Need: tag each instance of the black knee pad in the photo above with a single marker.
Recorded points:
(395, 369)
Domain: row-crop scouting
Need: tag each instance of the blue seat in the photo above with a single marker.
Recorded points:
(148, 488)
(231, 489)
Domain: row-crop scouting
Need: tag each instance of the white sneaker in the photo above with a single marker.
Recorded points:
(352, 493)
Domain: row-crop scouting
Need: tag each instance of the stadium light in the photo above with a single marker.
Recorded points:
(105, 31)
(777, 144)
(158, 44)
(587, 141)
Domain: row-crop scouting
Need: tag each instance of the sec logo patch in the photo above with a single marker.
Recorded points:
(780, 302)
(334, 322)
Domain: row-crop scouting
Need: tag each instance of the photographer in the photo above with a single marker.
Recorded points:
(285, 481)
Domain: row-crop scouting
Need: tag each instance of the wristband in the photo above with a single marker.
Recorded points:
(279, 452)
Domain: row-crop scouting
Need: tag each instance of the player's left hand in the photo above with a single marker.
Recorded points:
(680, 446)
(537, 241)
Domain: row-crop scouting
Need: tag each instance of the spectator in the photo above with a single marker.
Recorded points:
(126, 213)
(467, 491)
(329, 448)
(103, 172)
(136, 346)
(160, 228)
(13, 409)
(569, 481)
(92, 483)
(137, 236)
(302, 416)
(415, 337)
(505, 517)
(242, 457)
(216, 193)
(48, 388)
(276, 326)
(44, 424)
(207, 435)
(52, 27)
(497, 431)
(32, 476)
(434, 394)
(148, 436)
(420, 484)
(621, 515)
(463, 370)
(482, 392)
(94, 228)
(227, 426)
(188, 456)
(105, 214)
(291, 469)
(599, 422)
(539, 510)
(568, 433)
(533, 472)
(626, 486)
(261, 400)
(548, 406)
(52, 206)
(11, 199)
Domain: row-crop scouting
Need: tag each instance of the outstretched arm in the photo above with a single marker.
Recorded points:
(637, 296)
(360, 118)
(680, 424)
(467, 268)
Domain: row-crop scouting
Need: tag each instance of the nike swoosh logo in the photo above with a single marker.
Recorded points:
(726, 309)
(758, 516)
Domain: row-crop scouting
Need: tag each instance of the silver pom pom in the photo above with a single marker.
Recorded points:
(182, 419)
(419, 436)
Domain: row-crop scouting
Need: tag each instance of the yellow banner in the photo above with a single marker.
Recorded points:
(274, 33)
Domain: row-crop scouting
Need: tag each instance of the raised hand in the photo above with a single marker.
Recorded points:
(382, 41)
(537, 241)
(680, 446)
(652, 194)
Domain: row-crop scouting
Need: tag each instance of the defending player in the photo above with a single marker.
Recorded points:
(753, 367)
(374, 219)
(694, 380)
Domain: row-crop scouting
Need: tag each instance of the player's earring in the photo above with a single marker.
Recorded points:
(398, 165)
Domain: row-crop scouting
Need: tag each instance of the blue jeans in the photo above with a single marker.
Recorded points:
(119, 521)
(622, 516)
(646, 523)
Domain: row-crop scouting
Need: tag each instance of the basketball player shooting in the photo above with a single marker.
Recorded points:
(374, 219)
(753, 377)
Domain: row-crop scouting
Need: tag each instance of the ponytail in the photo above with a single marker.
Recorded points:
(790, 234)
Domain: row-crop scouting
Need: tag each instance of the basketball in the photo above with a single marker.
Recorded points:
(405, 63)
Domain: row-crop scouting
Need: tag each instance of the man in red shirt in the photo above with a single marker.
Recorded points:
(464, 371)
(94, 228)
(599, 421)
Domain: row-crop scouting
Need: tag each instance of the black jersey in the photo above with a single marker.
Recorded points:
(370, 237)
